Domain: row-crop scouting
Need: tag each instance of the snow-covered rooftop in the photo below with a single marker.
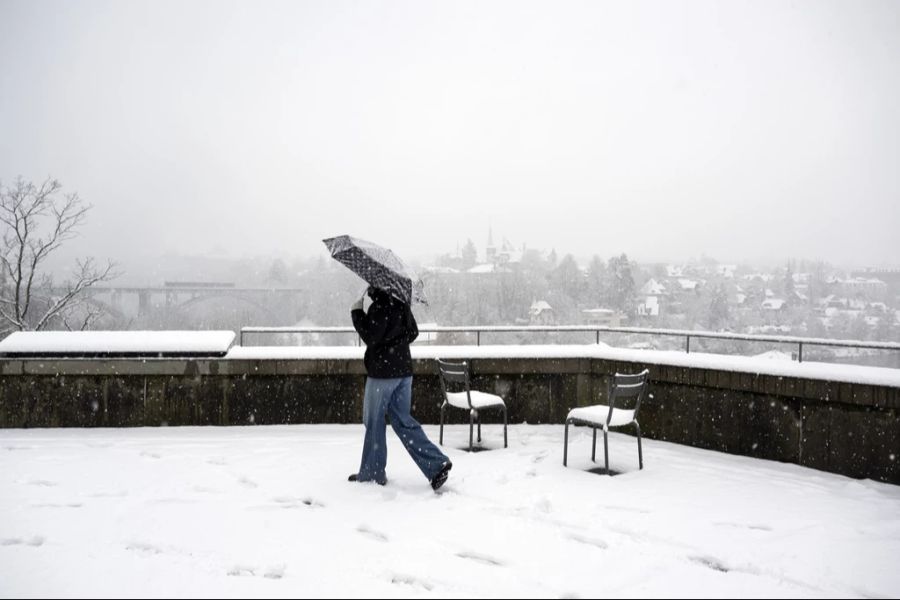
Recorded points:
(440, 269)
(773, 304)
(488, 268)
(539, 307)
(268, 512)
(653, 288)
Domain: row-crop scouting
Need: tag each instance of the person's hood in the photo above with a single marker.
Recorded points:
(378, 295)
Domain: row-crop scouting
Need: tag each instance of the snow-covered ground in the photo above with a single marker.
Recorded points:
(267, 511)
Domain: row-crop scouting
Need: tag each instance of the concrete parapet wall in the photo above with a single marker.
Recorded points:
(837, 426)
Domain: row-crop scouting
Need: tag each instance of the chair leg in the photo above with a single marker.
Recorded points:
(566, 445)
(505, 421)
(606, 451)
(471, 428)
(594, 446)
(640, 454)
(478, 418)
(441, 438)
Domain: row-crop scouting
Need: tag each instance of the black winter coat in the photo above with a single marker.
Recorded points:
(387, 329)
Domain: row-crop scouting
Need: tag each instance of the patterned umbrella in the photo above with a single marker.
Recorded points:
(378, 266)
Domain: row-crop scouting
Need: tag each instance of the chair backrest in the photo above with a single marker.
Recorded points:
(454, 376)
(626, 387)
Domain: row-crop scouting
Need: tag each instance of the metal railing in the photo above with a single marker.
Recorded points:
(598, 330)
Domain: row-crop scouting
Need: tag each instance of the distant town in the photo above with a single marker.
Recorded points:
(512, 284)
(502, 283)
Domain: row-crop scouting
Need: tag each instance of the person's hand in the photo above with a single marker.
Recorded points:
(358, 305)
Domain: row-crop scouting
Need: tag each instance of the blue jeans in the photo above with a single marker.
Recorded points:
(393, 396)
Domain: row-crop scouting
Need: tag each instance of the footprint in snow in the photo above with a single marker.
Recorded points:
(589, 541)
(710, 563)
(271, 572)
(294, 502)
(42, 483)
(401, 579)
(33, 541)
(371, 533)
(481, 558)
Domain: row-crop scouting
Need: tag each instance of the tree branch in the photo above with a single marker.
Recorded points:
(23, 206)
(11, 320)
(86, 279)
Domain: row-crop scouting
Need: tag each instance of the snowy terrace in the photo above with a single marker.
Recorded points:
(267, 512)
(838, 418)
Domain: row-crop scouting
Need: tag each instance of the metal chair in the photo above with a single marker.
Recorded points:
(456, 376)
(622, 387)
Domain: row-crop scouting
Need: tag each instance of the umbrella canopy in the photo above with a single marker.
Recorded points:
(378, 266)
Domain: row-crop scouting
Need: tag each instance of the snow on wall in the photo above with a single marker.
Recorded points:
(116, 342)
(741, 364)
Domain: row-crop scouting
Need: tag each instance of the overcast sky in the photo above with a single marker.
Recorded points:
(664, 130)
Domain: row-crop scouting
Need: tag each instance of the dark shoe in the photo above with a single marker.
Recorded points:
(355, 477)
(441, 476)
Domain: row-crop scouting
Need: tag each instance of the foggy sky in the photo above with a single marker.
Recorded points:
(760, 130)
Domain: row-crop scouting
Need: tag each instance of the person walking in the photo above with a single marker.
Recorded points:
(387, 329)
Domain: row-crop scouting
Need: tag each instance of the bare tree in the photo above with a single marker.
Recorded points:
(36, 221)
